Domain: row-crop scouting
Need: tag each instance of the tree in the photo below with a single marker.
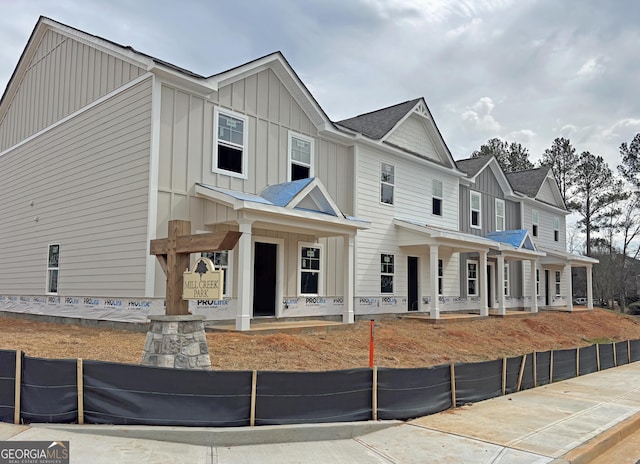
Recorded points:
(562, 158)
(630, 167)
(511, 157)
(596, 193)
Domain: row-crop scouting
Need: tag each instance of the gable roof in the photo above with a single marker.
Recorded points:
(528, 181)
(471, 166)
(379, 123)
(519, 239)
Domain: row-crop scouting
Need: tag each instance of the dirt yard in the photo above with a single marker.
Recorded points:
(399, 343)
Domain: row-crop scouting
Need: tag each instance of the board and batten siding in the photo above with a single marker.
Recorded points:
(83, 184)
(412, 201)
(63, 76)
(186, 145)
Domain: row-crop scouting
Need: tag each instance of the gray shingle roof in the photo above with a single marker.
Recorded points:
(377, 124)
(471, 166)
(528, 181)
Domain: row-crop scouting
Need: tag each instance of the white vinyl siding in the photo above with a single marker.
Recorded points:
(88, 179)
(301, 150)
(500, 215)
(475, 218)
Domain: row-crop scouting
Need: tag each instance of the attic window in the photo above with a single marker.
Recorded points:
(476, 204)
(387, 182)
(436, 201)
(230, 145)
(300, 156)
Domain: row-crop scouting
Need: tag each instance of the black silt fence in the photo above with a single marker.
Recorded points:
(564, 364)
(408, 393)
(313, 397)
(588, 359)
(606, 356)
(543, 368)
(622, 353)
(478, 381)
(49, 391)
(513, 374)
(125, 394)
(7, 385)
(635, 350)
(527, 374)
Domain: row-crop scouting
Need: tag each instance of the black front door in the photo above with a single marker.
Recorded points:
(489, 295)
(264, 279)
(547, 292)
(412, 270)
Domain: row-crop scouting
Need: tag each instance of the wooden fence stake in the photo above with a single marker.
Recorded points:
(374, 394)
(598, 355)
(521, 373)
(16, 401)
(551, 368)
(80, 392)
(254, 383)
(615, 358)
(504, 376)
(453, 386)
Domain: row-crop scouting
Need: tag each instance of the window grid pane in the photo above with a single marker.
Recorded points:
(220, 260)
(386, 273)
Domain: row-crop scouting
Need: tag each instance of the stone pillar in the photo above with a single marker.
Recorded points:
(176, 341)
(433, 275)
(484, 284)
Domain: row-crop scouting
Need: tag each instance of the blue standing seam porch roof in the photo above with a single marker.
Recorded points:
(516, 238)
(282, 194)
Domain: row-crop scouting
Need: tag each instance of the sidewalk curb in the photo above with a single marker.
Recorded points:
(232, 436)
(602, 443)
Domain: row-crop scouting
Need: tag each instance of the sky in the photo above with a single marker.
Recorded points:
(523, 71)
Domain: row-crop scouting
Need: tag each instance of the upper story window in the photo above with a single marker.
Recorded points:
(230, 144)
(300, 156)
(310, 271)
(500, 222)
(476, 205)
(472, 278)
(53, 261)
(534, 223)
(387, 269)
(387, 183)
(221, 260)
(436, 202)
(556, 229)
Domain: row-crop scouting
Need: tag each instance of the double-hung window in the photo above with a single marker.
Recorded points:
(53, 261)
(534, 222)
(499, 215)
(558, 283)
(300, 156)
(476, 209)
(472, 278)
(507, 289)
(387, 270)
(230, 144)
(387, 183)
(221, 260)
(537, 281)
(556, 229)
(310, 275)
(440, 275)
(436, 201)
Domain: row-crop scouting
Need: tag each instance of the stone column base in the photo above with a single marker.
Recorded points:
(176, 341)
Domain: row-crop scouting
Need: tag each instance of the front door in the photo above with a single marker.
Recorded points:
(412, 270)
(264, 279)
(547, 297)
(489, 286)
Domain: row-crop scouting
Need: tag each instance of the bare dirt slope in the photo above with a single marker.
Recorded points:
(399, 343)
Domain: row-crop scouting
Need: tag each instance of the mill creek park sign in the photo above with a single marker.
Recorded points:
(203, 282)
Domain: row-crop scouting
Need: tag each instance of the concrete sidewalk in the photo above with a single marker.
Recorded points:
(571, 421)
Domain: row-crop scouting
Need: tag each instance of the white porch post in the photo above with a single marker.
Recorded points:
(433, 275)
(533, 264)
(243, 311)
(567, 279)
(589, 286)
(348, 315)
(501, 303)
(484, 284)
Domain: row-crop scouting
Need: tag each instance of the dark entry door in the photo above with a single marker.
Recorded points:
(489, 288)
(412, 270)
(546, 288)
(264, 279)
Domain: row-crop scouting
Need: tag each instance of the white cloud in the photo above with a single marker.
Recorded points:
(479, 117)
(592, 67)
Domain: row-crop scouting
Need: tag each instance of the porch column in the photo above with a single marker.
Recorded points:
(502, 310)
(348, 260)
(589, 287)
(533, 264)
(484, 284)
(433, 275)
(567, 279)
(244, 309)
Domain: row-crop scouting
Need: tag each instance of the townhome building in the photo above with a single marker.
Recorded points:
(102, 145)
